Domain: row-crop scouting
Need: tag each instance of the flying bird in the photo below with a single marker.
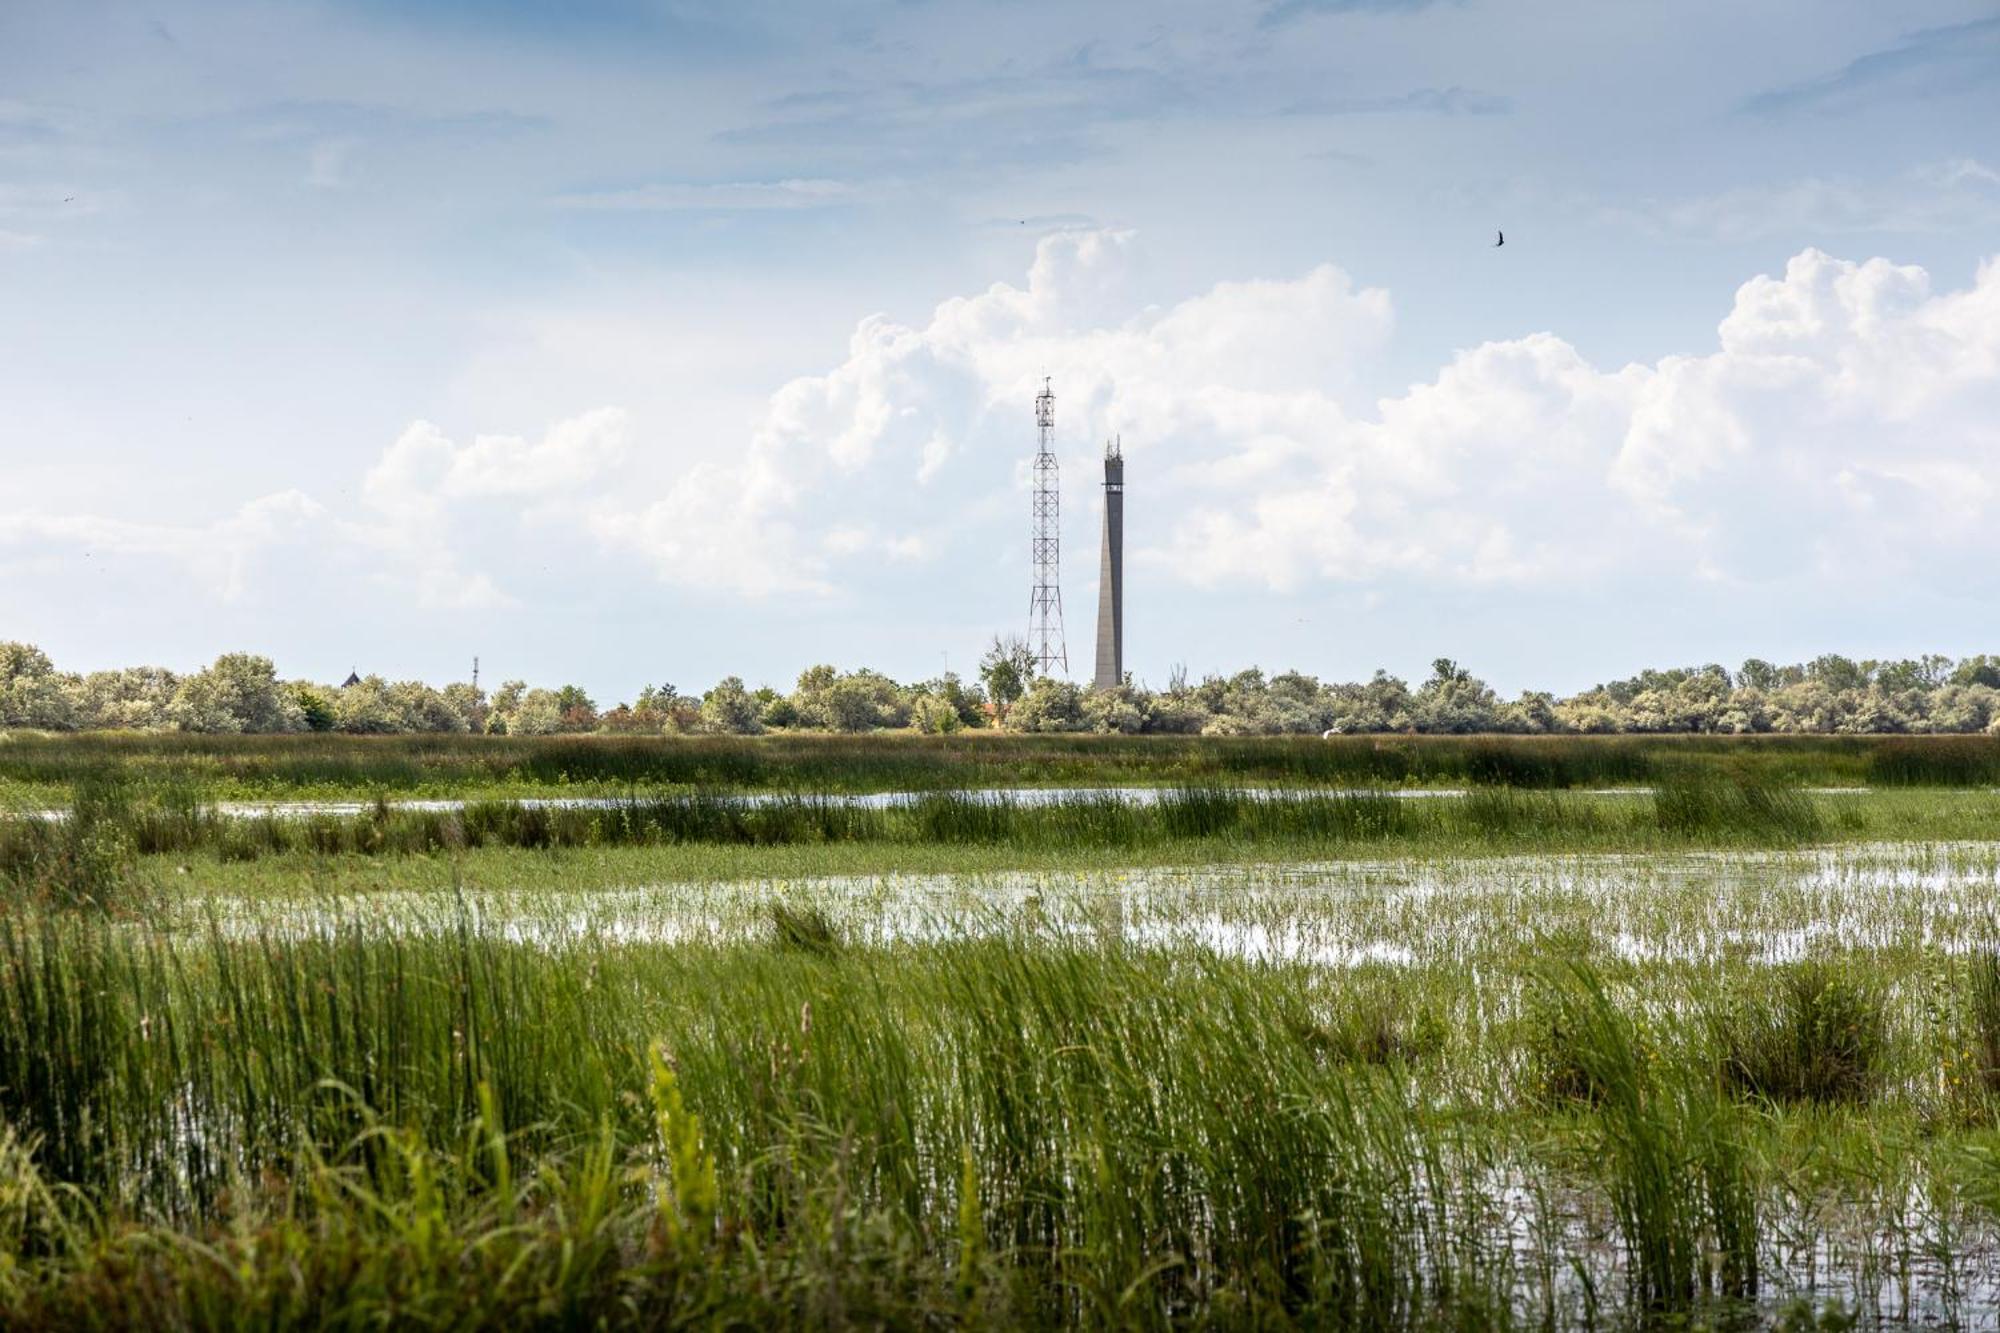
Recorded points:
(1502, 241)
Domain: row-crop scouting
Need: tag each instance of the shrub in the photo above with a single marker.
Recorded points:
(933, 716)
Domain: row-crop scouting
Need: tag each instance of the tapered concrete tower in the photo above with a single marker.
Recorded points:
(1111, 575)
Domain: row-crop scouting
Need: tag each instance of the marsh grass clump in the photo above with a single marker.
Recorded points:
(84, 860)
(1705, 805)
(1550, 762)
(962, 817)
(803, 928)
(1333, 816)
(1982, 1013)
(1818, 1035)
(1129, 1128)
(1366, 1030)
(1681, 1181)
(1934, 761)
(1196, 811)
(1500, 814)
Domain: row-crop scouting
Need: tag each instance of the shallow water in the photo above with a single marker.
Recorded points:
(1686, 908)
(881, 800)
(886, 800)
(1902, 1246)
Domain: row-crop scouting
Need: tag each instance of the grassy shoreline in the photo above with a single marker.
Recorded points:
(39, 769)
(1956, 817)
(86, 858)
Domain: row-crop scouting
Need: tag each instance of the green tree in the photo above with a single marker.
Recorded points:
(577, 711)
(1836, 673)
(1454, 701)
(968, 703)
(1122, 710)
(468, 702)
(1758, 674)
(506, 700)
(135, 697)
(316, 705)
(365, 709)
(539, 713)
(1981, 670)
(240, 692)
(418, 707)
(31, 693)
(1007, 669)
(729, 708)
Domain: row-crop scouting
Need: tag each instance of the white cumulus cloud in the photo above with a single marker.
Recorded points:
(1844, 424)
(1845, 421)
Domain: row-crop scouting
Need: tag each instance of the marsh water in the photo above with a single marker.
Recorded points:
(1689, 908)
(1462, 936)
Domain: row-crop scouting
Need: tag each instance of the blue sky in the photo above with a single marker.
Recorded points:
(628, 342)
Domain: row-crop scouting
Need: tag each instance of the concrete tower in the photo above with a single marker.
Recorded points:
(1111, 575)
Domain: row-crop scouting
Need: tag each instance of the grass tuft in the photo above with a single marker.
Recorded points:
(1820, 1035)
(803, 929)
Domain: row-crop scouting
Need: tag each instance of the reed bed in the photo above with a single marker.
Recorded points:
(338, 1126)
(1701, 1060)
(278, 767)
(77, 857)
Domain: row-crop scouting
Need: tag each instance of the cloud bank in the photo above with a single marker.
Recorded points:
(1844, 425)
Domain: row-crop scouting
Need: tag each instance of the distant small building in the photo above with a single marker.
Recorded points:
(353, 678)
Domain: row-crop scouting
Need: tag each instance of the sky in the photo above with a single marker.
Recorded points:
(623, 342)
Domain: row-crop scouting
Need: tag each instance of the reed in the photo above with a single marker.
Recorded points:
(276, 767)
(1713, 808)
(1982, 1004)
(452, 1085)
(87, 857)
(1820, 1036)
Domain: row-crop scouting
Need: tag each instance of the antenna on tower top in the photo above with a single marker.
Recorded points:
(1045, 624)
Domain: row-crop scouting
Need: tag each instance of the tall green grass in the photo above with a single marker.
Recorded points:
(347, 1122)
(1696, 804)
(1674, 1147)
(87, 856)
(270, 767)
(1819, 1034)
(1133, 1126)
(1068, 1116)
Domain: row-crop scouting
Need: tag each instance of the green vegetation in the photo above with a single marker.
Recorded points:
(1714, 1049)
(39, 768)
(1016, 1104)
(122, 844)
(242, 693)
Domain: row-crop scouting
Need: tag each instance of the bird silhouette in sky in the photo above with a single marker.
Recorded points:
(1500, 242)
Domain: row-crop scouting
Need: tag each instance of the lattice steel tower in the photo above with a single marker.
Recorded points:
(1045, 625)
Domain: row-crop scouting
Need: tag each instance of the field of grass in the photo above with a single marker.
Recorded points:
(40, 768)
(1723, 1052)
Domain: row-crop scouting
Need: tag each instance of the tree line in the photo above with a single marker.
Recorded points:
(243, 692)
